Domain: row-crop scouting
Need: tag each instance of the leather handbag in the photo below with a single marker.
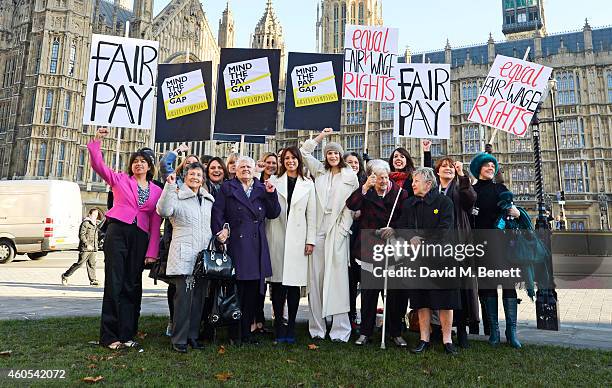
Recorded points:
(214, 265)
(226, 306)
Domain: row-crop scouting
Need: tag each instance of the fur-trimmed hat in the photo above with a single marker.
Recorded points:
(331, 146)
(481, 159)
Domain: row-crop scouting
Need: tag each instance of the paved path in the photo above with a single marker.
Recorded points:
(33, 290)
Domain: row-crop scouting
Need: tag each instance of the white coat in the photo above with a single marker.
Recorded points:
(337, 244)
(287, 236)
(190, 221)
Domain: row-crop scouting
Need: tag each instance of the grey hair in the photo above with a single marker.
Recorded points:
(428, 174)
(243, 158)
(378, 166)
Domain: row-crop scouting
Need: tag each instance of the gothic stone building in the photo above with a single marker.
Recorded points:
(582, 63)
(44, 49)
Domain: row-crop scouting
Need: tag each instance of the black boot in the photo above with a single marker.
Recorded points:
(485, 320)
(462, 337)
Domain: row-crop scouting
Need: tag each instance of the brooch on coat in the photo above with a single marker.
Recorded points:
(436, 211)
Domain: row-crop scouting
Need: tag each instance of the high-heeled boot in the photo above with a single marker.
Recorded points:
(485, 320)
(491, 309)
(511, 312)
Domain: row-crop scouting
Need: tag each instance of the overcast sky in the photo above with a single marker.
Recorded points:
(422, 26)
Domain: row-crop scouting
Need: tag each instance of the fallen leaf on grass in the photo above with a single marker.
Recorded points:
(143, 369)
(223, 376)
(317, 375)
(312, 347)
(6, 353)
(291, 361)
(94, 343)
(122, 366)
(427, 371)
(92, 380)
(221, 349)
(141, 335)
(92, 357)
(92, 366)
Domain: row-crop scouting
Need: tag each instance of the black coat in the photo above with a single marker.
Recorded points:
(463, 195)
(431, 217)
(487, 198)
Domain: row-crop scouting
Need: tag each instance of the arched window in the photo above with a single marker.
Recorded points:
(361, 13)
(60, 160)
(42, 158)
(336, 25)
(54, 56)
(71, 60)
(48, 107)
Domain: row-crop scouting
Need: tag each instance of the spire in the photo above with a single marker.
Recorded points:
(587, 26)
(268, 32)
(490, 41)
(226, 35)
(448, 46)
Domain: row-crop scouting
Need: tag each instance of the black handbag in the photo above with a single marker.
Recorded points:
(158, 269)
(213, 265)
(226, 306)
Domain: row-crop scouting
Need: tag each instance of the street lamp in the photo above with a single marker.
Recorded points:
(547, 314)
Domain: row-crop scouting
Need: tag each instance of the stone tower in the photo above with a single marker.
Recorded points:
(523, 19)
(335, 14)
(226, 36)
(143, 16)
(268, 34)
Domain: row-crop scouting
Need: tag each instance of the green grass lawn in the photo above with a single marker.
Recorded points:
(64, 344)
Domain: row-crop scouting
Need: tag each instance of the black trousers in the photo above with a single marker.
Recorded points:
(492, 293)
(396, 299)
(280, 295)
(260, 317)
(170, 295)
(85, 257)
(354, 278)
(125, 247)
(248, 294)
(188, 308)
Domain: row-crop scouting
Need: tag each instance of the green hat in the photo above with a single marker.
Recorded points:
(479, 160)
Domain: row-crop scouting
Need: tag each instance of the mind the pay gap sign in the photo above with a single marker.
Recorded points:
(510, 95)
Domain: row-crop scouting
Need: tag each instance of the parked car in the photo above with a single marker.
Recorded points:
(38, 216)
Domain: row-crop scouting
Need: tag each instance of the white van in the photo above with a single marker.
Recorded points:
(38, 216)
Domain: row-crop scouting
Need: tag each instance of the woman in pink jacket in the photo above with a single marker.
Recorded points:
(132, 240)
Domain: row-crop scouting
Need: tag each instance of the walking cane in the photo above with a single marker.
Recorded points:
(384, 323)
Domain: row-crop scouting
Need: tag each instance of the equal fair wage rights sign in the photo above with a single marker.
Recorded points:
(510, 95)
(121, 82)
(370, 55)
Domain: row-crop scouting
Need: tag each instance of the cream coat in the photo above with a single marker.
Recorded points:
(287, 237)
(337, 245)
(190, 221)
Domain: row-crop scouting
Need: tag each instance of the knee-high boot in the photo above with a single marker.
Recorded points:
(511, 312)
(491, 309)
(485, 320)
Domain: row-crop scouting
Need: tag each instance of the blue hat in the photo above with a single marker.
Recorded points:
(479, 160)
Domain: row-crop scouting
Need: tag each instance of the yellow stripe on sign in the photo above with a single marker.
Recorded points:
(318, 82)
(250, 81)
(185, 92)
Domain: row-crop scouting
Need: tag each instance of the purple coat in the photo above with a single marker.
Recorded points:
(247, 244)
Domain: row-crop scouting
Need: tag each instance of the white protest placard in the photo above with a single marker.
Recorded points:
(248, 83)
(121, 82)
(314, 84)
(184, 94)
(423, 108)
(510, 95)
(370, 55)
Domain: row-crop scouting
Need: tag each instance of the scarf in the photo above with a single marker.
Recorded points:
(399, 177)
